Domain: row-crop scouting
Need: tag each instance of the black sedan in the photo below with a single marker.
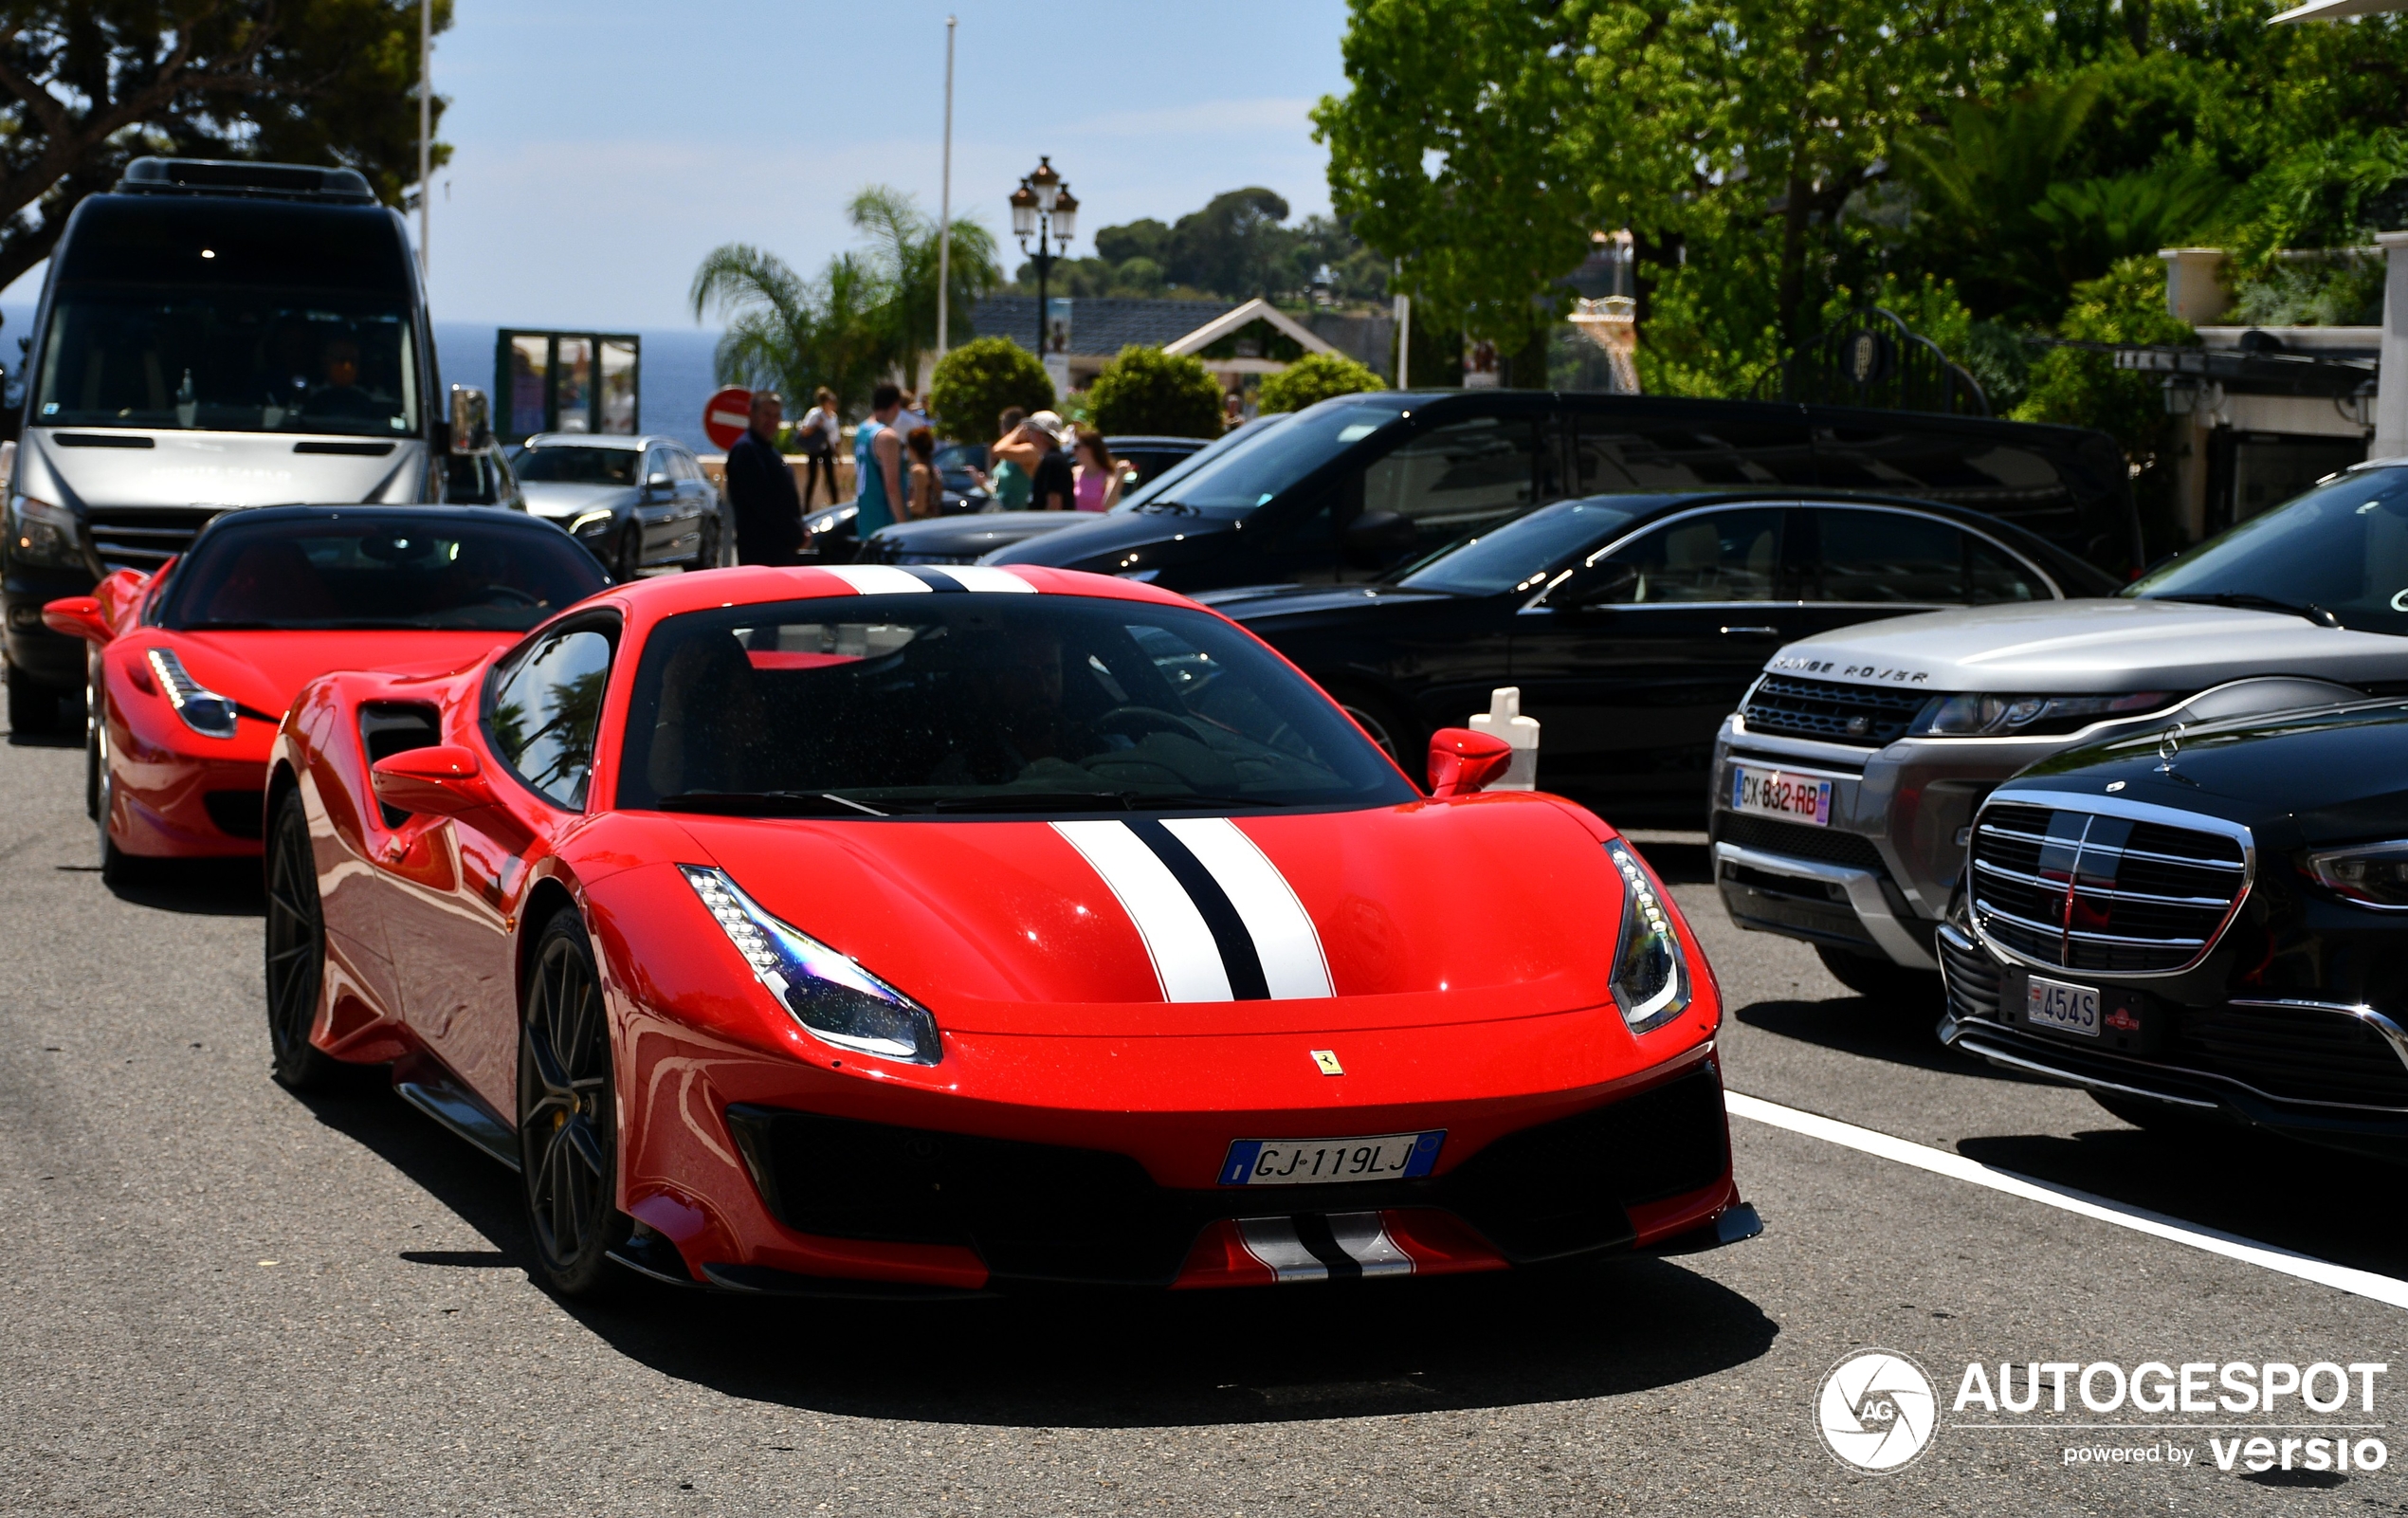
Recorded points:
(971, 528)
(1634, 623)
(2204, 927)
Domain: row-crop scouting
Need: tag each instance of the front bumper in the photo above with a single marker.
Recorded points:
(1880, 876)
(51, 658)
(2327, 1072)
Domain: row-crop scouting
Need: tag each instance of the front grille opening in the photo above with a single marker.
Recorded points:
(126, 538)
(1865, 716)
(1797, 840)
(2300, 1053)
(236, 814)
(2091, 891)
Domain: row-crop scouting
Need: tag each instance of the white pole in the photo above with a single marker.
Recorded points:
(1404, 342)
(426, 125)
(944, 205)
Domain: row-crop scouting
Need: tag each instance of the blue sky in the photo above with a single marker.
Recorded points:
(601, 147)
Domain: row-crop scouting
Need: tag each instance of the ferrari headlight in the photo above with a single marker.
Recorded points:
(42, 534)
(835, 999)
(2371, 874)
(204, 710)
(1651, 976)
(1992, 716)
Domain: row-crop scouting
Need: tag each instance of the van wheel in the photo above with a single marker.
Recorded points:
(1877, 978)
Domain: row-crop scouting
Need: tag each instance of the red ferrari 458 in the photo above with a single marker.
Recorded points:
(192, 667)
(905, 931)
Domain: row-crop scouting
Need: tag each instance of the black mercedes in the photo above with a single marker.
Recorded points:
(2203, 927)
(1634, 623)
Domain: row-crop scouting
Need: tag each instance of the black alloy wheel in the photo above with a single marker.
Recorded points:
(631, 552)
(118, 867)
(706, 544)
(95, 753)
(296, 951)
(568, 1119)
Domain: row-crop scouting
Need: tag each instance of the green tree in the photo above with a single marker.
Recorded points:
(975, 383)
(793, 334)
(1455, 152)
(1313, 379)
(1142, 238)
(86, 86)
(902, 260)
(1149, 392)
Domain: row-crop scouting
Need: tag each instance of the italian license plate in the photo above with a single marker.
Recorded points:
(2069, 1009)
(1325, 1162)
(1773, 794)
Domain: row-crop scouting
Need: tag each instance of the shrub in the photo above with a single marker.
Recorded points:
(976, 381)
(1145, 390)
(1315, 378)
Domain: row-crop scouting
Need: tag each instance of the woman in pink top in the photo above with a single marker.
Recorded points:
(1098, 474)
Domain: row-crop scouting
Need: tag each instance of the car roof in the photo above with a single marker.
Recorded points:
(258, 516)
(1151, 440)
(603, 439)
(650, 600)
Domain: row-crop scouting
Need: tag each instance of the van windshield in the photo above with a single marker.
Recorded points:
(2343, 548)
(1253, 472)
(229, 359)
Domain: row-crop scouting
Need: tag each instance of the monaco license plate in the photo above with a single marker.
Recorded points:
(1325, 1162)
(1775, 794)
(2069, 1009)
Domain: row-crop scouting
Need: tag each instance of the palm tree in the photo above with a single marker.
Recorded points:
(903, 254)
(789, 333)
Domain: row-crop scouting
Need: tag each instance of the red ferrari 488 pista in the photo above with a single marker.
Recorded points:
(192, 667)
(907, 931)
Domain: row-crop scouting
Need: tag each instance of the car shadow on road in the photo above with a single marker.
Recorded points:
(2262, 1186)
(1860, 1026)
(200, 888)
(1112, 1358)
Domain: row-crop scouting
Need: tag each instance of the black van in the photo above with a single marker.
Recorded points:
(1359, 485)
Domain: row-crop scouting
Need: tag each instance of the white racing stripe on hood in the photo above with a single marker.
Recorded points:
(1293, 964)
(988, 577)
(1186, 960)
(877, 580)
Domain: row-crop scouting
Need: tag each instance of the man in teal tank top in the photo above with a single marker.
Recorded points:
(878, 469)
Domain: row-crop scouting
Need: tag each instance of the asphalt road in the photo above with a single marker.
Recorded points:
(223, 1298)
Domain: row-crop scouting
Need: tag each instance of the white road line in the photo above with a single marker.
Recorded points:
(1957, 1167)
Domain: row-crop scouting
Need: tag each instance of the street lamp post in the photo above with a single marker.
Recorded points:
(1043, 207)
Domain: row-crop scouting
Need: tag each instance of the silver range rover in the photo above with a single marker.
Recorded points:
(1845, 786)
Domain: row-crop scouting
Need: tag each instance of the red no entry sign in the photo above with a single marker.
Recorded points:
(726, 415)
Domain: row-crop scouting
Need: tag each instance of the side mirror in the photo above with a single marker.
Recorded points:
(77, 616)
(1380, 532)
(657, 484)
(1462, 760)
(445, 780)
(471, 420)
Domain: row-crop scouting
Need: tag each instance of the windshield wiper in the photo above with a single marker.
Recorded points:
(769, 804)
(2252, 601)
(1031, 801)
(1181, 508)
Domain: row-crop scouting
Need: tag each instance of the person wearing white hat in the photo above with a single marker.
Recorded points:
(1052, 486)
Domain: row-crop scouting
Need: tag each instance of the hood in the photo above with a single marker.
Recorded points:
(263, 669)
(2334, 774)
(972, 533)
(1257, 603)
(168, 467)
(2089, 645)
(547, 498)
(1034, 927)
(1118, 541)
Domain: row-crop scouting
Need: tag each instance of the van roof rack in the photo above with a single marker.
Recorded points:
(222, 176)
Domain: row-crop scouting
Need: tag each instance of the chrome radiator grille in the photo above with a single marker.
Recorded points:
(2104, 891)
(143, 538)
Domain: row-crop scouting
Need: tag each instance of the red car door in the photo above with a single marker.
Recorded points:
(460, 881)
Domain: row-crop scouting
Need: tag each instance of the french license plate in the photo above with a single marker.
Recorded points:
(2069, 1009)
(1325, 1162)
(1773, 794)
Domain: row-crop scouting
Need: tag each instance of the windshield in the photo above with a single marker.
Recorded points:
(386, 570)
(1517, 556)
(573, 464)
(2342, 547)
(1253, 472)
(1219, 447)
(229, 359)
(857, 705)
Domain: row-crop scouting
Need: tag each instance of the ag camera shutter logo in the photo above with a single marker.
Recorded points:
(1877, 1410)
